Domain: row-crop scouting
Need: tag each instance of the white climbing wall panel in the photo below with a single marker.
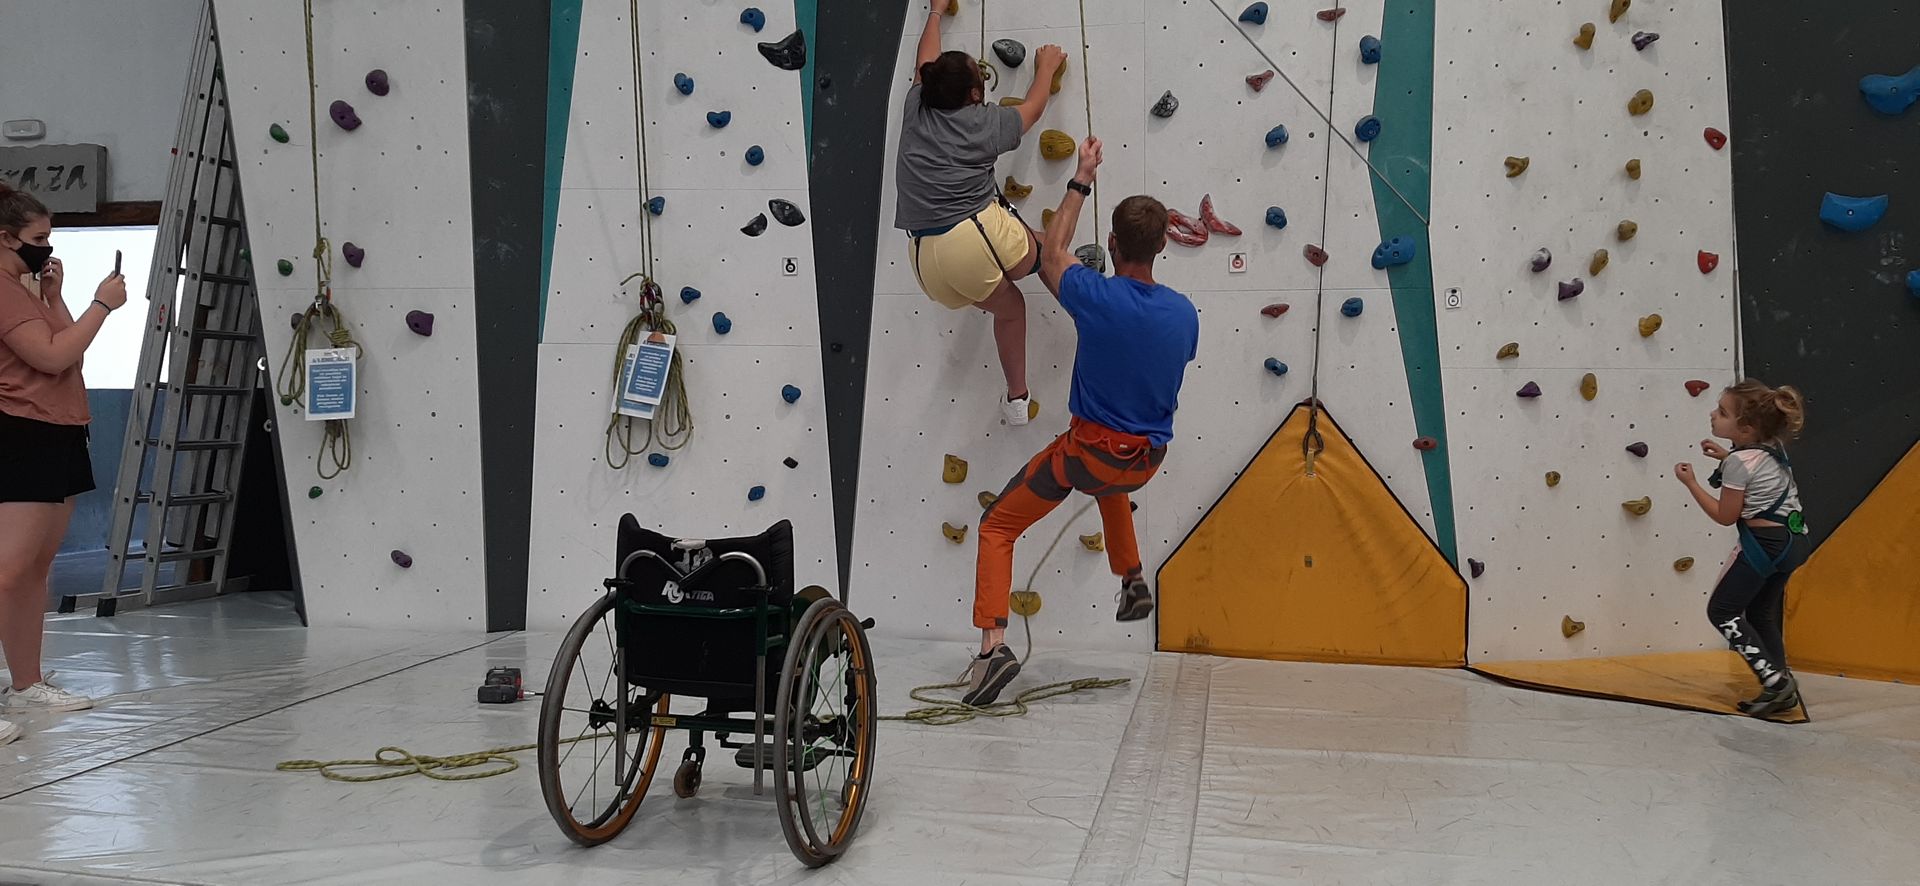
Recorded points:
(1509, 81)
(398, 187)
(934, 376)
(743, 428)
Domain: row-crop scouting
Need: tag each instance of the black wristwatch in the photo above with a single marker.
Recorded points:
(1085, 190)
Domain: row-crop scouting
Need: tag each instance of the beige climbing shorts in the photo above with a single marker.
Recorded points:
(958, 268)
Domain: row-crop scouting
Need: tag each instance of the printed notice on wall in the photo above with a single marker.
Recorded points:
(643, 376)
(332, 380)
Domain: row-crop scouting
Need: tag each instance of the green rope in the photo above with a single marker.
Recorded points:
(401, 763)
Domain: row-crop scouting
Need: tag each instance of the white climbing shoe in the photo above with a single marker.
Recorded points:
(9, 732)
(1018, 411)
(43, 697)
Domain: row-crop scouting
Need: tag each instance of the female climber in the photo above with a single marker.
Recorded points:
(1759, 495)
(966, 245)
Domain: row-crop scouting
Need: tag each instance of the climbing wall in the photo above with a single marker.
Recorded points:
(934, 375)
(744, 429)
(1515, 84)
(398, 188)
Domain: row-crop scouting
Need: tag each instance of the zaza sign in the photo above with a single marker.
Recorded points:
(68, 178)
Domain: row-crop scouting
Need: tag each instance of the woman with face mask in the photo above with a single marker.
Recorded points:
(43, 440)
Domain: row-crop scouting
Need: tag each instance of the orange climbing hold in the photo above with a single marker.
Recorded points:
(1584, 39)
(1649, 325)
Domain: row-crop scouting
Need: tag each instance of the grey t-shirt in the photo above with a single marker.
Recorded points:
(1763, 478)
(944, 173)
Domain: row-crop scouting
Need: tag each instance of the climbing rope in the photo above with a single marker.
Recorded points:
(1086, 90)
(401, 763)
(1311, 443)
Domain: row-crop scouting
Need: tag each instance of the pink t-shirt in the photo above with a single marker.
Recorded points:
(26, 392)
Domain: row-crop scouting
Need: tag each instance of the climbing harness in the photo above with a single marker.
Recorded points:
(1751, 550)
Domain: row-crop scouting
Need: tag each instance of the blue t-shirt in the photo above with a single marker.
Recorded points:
(1135, 343)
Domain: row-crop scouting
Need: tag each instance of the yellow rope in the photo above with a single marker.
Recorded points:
(401, 763)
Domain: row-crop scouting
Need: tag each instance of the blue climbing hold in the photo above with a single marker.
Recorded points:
(689, 295)
(683, 83)
(789, 393)
(1276, 217)
(1367, 129)
(753, 18)
(657, 205)
(1255, 14)
(1393, 253)
(756, 156)
(719, 119)
(1913, 283)
(1891, 94)
(721, 324)
(756, 493)
(1277, 136)
(658, 460)
(1353, 306)
(1852, 213)
(1275, 366)
(1370, 50)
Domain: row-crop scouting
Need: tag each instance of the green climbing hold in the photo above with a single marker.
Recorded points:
(315, 492)
(279, 133)
(285, 267)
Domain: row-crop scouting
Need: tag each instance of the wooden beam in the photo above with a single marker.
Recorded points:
(112, 215)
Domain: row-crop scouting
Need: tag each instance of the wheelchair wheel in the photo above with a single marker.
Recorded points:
(595, 766)
(686, 780)
(823, 733)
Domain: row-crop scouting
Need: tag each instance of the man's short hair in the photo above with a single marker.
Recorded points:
(1139, 228)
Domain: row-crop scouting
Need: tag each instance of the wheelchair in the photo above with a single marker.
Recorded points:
(716, 620)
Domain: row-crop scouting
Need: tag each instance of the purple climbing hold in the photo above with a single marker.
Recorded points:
(658, 460)
(353, 254)
(789, 393)
(753, 18)
(420, 322)
(722, 324)
(1644, 39)
(786, 213)
(683, 83)
(1529, 390)
(656, 205)
(1476, 567)
(343, 116)
(1542, 258)
(1367, 129)
(689, 295)
(401, 559)
(1571, 288)
(377, 82)
(1255, 14)
(789, 54)
(1275, 366)
(719, 119)
(1639, 449)
(756, 227)
(756, 493)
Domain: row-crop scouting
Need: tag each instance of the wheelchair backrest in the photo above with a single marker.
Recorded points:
(698, 575)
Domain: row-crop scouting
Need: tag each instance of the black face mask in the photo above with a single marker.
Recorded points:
(35, 256)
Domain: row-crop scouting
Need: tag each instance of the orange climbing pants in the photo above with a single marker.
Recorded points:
(1091, 458)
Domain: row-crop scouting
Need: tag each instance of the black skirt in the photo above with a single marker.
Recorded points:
(42, 462)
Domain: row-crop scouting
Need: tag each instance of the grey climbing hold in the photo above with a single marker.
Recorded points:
(789, 393)
(1369, 50)
(1542, 259)
(1891, 94)
(789, 462)
(343, 116)
(689, 295)
(756, 227)
(297, 317)
(377, 82)
(401, 559)
(1852, 213)
(1353, 306)
(278, 133)
(1476, 567)
(683, 83)
(353, 254)
(658, 460)
(1571, 288)
(1275, 366)
(284, 267)
(1367, 129)
(721, 323)
(789, 54)
(756, 156)
(1165, 107)
(1277, 136)
(1638, 449)
(1011, 52)
(1393, 253)
(719, 119)
(1276, 217)
(1644, 39)
(656, 205)
(786, 213)
(1093, 256)
(1255, 14)
(753, 18)
(756, 493)
(1529, 390)
(420, 322)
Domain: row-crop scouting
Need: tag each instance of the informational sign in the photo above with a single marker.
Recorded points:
(333, 378)
(68, 178)
(643, 376)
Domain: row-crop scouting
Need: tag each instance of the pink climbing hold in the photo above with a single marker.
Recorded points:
(1213, 221)
(1696, 387)
(1259, 81)
(1708, 261)
(1330, 15)
(1716, 138)
(1275, 310)
(1315, 255)
(1184, 230)
(1529, 390)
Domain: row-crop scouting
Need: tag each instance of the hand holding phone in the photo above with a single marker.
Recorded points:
(116, 263)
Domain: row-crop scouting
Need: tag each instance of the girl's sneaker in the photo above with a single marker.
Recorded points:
(43, 697)
(1784, 696)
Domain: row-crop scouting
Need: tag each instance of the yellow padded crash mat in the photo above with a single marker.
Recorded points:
(1710, 681)
(1854, 608)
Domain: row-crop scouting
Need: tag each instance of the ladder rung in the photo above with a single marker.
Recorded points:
(216, 390)
(201, 554)
(224, 222)
(224, 279)
(197, 445)
(221, 334)
(187, 500)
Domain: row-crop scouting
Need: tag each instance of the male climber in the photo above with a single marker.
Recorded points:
(1135, 340)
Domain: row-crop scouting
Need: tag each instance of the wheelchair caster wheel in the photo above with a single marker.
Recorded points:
(686, 780)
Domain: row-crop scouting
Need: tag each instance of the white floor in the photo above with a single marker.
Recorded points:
(1203, 770)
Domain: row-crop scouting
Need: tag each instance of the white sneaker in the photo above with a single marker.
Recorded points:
(9, 731)
(42, 697)
(1017, 412)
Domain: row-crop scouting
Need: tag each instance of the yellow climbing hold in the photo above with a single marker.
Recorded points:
(1508, 350)
(1641, 102)
(1569, 627)
(1639, 507)
(1585, 40)
(1649, 325)
(955, 534)
(1026, 603)
(1517, 165)
(1633, 169)
(1589, 386)
(1553, 479)
(1056, 145)
(1094, 542)
(1599, 262)
(1619, 9)
(1046, 219)
(987, 499)
(1015, 190)
(1683, 564)
(1012, 101)
(1058, 75)
(1625, 232)
(1033, 409)
(953, 7)
(955, 470)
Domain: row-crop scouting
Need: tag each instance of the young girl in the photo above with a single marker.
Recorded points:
(1759, 495)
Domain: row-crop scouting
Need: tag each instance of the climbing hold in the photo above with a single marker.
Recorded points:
(1517, 165)
(315, 492)
(1369, 50)
(1165, 106)
(1015, 190)
(1683, 564)
(278, 133)
(1093, 256)
(284, 267)
(1059, 74)
(955, 534)
(1315, 255)
(719, 119)
(1025, 603)
(1633, 169)
(1353, 306)
(1644, 39)
(1095, 542)
(1393, 253)
(343, 116)
(1276, 218)
(377, 82)
(353, 254)
(1259, 81)
(1011, 52)
(656, 205)
(683, 83)
(1619, 9)
(1553, 479)
(1639, 506)
(789, 54)
(1542, 259)
(1626, 230)
(1589, 386)
(1255, 14)
(1475, 567)
(1185, 230)
(1890, 94)
(789, 393)
(1529, 390)
(756, 155)
(1852, 213)
(1598, 264)
(1277, 136)
(420, 322)
(1707, 261)
(1046, 219)
(721, 323)
(756, 227)
(1275, 366)
(1508, 351)
(689, 295)
(1571, 288)
(1367, 129)
(753, 18)
(1330, 15)
(789, 462)
(1012, 101)
(1913, 283)
(1715, 138)
(658, 459)
(786, 213)
(401, 559)
(297, 317)
(756, 493)
(246, 255)
(987, 499)
(1641, 102)
(1056, 145)
(1425, 444)
(1585, 38)
(1649, 325)
(1275, 310)
(1696, 387)
(1212, 219)
(1569, 627)
(953, 469)
(1638, 449)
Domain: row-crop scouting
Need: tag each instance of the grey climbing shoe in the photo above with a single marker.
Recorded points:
(1136, 600)
(1781, 698)
(989, 674)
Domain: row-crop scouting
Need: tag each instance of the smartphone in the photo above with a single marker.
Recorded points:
(116, 263)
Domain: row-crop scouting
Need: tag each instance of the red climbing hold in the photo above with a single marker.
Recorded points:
(1275, 310)
(1716, 138)
(1425, 444)
(1696, 387)
(1330, 15)
(1708, 261)
(1213, 221)
(1259, 81)
(1315, 255)
(1184, 230)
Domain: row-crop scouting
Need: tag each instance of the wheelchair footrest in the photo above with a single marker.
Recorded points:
(743, 757)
